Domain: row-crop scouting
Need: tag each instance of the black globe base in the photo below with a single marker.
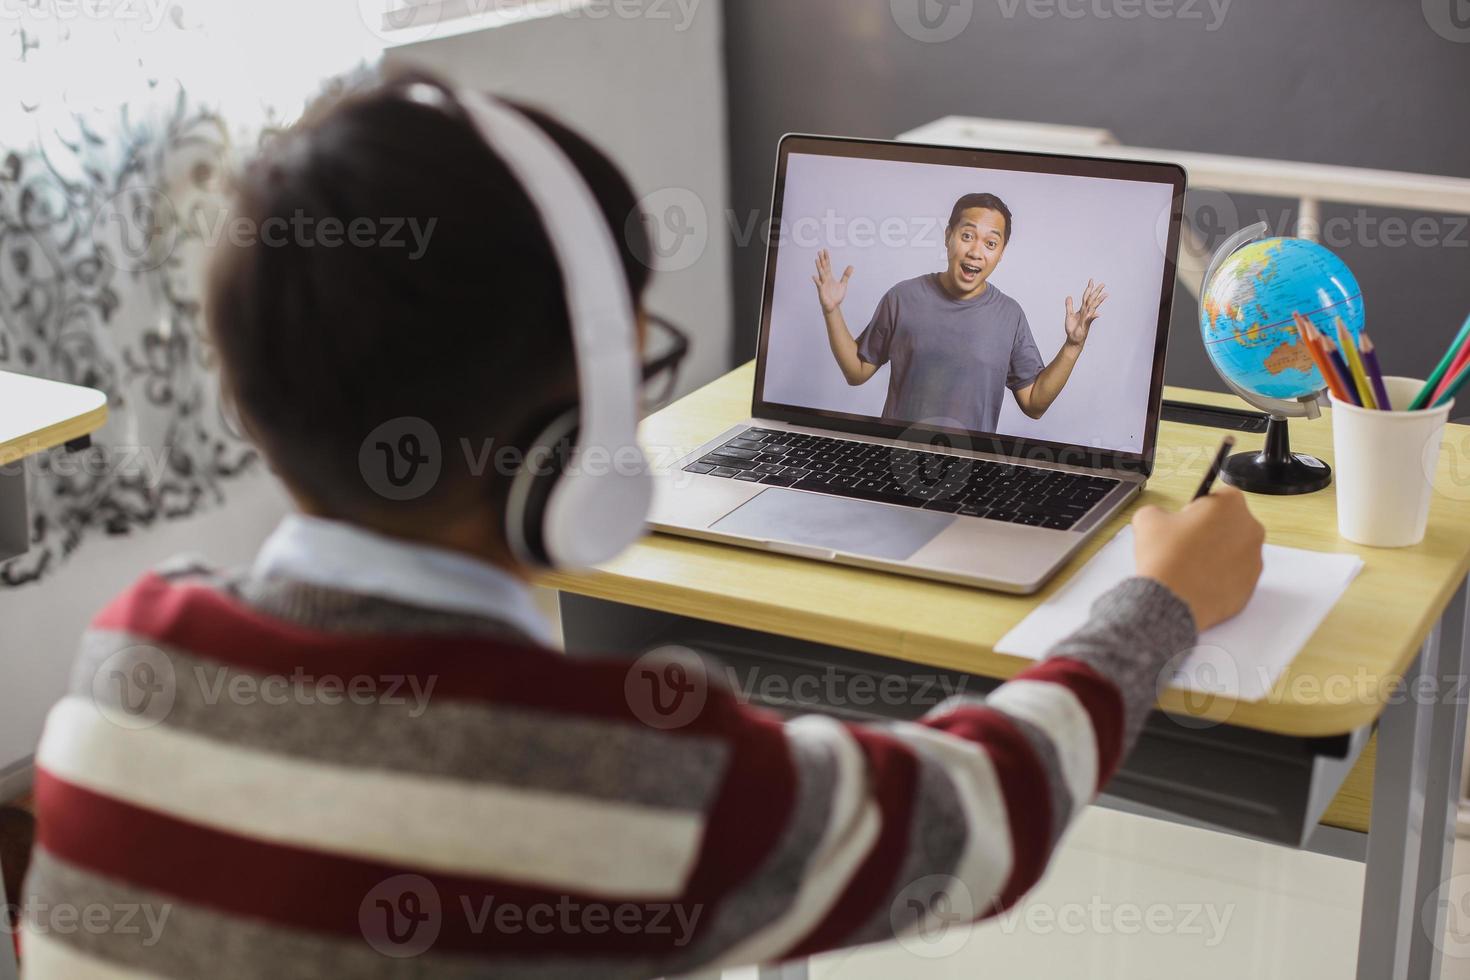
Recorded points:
(1275, 470)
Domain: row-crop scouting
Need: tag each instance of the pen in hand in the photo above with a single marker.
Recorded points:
(1208, 483)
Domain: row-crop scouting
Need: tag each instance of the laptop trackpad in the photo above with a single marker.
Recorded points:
(853, 526)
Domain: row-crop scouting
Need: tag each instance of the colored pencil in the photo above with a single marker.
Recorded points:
(1355, 365)
(1375, 372)
(1461, 359)
(1422, 399)
(1453, 388)
(1341, 367)
(1311, 348)
(1319, 356)
(1343, 390)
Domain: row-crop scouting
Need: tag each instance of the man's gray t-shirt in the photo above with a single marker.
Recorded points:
(952, 359)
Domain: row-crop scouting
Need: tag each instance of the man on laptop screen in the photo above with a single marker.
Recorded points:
(895, 445)
(955, 341)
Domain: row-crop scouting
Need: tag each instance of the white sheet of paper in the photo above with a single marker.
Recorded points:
(1242, 658)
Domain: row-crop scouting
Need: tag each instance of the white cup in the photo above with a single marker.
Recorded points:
(1385, 467)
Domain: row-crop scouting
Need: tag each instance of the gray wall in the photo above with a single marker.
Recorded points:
(44, 622)
(1355, 82)
(644, 83)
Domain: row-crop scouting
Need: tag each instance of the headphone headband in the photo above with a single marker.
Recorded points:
(598, 507)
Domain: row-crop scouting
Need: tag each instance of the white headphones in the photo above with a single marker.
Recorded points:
(583, 493)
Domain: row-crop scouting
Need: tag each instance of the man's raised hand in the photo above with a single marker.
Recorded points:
(831, 290)
(1079, 320)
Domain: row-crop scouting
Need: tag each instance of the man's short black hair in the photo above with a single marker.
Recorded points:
(972, 201)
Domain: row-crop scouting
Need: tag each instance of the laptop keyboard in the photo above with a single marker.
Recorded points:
(950, 484)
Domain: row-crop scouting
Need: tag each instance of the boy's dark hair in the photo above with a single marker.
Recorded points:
(971, 201)
(323, 346)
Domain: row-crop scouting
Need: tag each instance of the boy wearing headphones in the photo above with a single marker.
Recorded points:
(361, 756)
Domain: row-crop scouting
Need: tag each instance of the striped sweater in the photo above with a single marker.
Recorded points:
(261, 778)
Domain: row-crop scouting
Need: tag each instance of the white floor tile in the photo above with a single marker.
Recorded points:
(1139, 898)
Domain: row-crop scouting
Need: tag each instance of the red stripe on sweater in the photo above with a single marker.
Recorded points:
(304, 889)
(753, 808)
(893, 778)
(1024, 787)
(1101, 700)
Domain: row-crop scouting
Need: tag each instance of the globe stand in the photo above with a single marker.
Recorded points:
(1275, 470)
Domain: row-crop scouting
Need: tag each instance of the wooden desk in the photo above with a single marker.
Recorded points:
(1282, 760)
(35, 415)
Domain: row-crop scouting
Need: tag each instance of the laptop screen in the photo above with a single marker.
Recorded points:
(1017, 300)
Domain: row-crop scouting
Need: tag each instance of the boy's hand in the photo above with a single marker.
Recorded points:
(1208, 554)
(831, 291)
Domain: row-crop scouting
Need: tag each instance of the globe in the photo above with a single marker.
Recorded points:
(1246, 314)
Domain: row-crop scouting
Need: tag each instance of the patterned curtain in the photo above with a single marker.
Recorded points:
(107, 209)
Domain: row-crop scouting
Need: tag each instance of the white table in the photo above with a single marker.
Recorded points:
(37, 415)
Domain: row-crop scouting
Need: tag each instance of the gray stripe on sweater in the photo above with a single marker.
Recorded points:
(1136, 629)
(771, 888)
(938, 831)
(330, 610)
(194, 941)
(423, 736)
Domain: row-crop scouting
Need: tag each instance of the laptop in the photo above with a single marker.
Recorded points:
(960, 366)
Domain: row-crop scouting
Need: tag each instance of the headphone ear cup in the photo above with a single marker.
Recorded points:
(529, 500)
